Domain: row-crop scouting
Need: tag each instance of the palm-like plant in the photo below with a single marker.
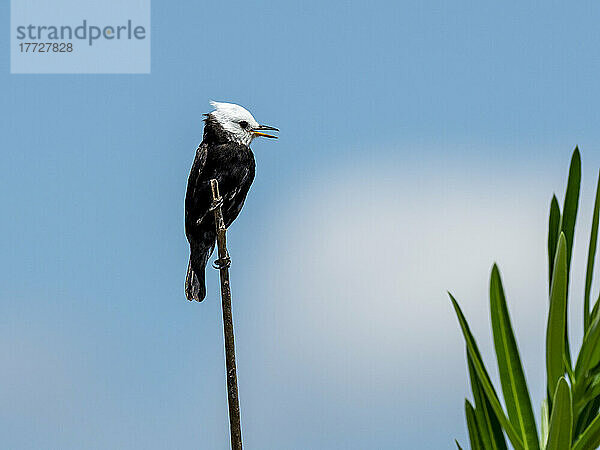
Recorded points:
(570, 416)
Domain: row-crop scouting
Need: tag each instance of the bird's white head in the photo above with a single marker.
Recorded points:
(238, 122)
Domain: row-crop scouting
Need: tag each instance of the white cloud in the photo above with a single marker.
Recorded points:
(363, 262)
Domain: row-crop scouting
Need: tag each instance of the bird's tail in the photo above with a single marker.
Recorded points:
(195, 286)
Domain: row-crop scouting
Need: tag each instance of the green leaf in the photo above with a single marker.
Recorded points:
(567, 223)
(553, 233)
(557, 318)
(586, 417)
(561, 421)
(569, 369)
(484, 378)
(489, 427)
(512, 377)
(595, 310)
(474, 436)
(590, 394)
(591, 258)
(457, 445)
(571, 203)
(589, 355)
(545, 423)
(590, 438)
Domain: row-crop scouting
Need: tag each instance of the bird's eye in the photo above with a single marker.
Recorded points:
(243, 124)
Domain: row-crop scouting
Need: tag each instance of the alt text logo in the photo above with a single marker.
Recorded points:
(80, 36)
(84, 32)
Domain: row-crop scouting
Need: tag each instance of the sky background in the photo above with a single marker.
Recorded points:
(420, 142)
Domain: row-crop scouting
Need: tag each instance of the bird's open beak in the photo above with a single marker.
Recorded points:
(257, 131)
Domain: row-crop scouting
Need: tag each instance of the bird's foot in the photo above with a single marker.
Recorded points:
(222, 263)
(216, 204)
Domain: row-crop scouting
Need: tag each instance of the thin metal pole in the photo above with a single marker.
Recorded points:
(223, 266)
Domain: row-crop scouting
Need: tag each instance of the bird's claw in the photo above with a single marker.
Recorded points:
(222, 263)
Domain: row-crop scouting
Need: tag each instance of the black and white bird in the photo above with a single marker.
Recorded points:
(224, 154)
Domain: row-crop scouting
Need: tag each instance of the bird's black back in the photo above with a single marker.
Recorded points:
(233, 166)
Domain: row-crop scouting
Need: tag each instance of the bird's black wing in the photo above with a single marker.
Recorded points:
(236, 196)
(195, 207)
(200, 235)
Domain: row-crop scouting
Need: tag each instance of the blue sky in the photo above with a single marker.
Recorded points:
(420, 142)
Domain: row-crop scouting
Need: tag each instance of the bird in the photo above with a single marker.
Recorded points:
(224, 154)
